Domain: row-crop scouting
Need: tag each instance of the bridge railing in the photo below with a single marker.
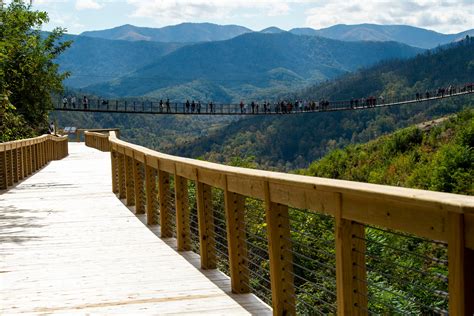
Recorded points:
(308, 245)
(20, 158)
(97, 140)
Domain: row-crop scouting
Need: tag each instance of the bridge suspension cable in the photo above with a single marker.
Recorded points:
(253, 108)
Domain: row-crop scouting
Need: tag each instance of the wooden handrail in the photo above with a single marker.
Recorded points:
(20, 158)
(433, 215)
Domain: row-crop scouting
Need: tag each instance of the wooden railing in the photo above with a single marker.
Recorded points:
(20, 158)
(82, 131)
(97, 140)
(144, 178)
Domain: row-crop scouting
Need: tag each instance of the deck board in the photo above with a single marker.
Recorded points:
(68, 245)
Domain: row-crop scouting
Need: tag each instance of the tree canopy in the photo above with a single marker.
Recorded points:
(28, 72)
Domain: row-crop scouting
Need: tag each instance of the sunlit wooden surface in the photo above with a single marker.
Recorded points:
(68, 245)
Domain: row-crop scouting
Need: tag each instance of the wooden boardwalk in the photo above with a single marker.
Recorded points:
(68, 245)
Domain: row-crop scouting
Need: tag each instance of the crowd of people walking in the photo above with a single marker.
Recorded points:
(254, 107)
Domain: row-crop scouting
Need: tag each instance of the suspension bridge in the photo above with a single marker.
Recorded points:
(107, 226)
(196, 108)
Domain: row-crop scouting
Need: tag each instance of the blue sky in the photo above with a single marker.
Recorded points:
(444, 16)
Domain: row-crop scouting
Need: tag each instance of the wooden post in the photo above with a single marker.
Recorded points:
(35, 157)
(151, 194)
(460, 268)
(3, 170)
(281, 258)
(183, 229)
(15, 163)
(114, 166)
(129, 186)
(24, 157)
(350, 265)
(40, 155)
(164, 189)
(138, 187)
(121, 174)
(236, 241)
(9, 167)
(206, 226)
(28, 159)
(20, 161)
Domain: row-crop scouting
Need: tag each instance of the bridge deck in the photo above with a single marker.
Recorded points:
(68, 245)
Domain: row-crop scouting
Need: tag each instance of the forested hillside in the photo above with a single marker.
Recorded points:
(94, 60)
(438, 157)
(251, 63)
(160, 132)
(288, 142)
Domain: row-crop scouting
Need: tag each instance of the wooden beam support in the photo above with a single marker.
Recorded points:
(3, 170)
(280, 255)
(183, 228)
(15, 164)
(206, 226)
(151, 195)
(114, 167)
(121, 175)
(9, 168)
(236, 241)
(138, 187)
(350, 266)
(129, 183)
(460, 268)
(164, 190)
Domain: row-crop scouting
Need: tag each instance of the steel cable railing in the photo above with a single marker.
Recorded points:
(314, 246)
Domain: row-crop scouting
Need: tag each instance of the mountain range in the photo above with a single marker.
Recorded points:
(201, 32)
(250, 64)
(181, 33)
(230, 62)
(291, 141)
(93, 60)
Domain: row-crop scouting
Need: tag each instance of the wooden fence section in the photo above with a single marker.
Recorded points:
(97, 140)
(439, 217)
(20, 158)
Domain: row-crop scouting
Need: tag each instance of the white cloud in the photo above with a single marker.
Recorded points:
(443, 16)
(175, 11)
(88, 5)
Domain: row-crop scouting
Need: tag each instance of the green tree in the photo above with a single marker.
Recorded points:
(28, 73)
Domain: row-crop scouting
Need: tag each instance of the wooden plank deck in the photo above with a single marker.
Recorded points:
(68, 245)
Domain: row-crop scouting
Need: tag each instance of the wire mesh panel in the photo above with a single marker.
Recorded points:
(405, 274)
(314, 262)
(257, 250)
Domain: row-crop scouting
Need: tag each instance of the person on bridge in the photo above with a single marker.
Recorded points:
(193, 106)
(64, 102)
(85, 102)
(187, 106)
(241, 106)
(73, 102)
(253, 106)
(161, 105)
(51, 129)
(168, 105)
(198, 107)
(211, 107)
